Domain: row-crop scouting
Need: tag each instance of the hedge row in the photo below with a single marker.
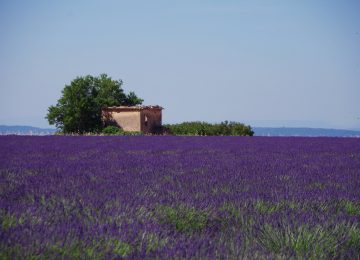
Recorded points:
(203, 128)
(190, 128)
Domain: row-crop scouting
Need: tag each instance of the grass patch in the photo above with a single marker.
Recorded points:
(76, 249)
(151, 242)
(309, 242)
(8, 221)
(121, 248)
(351, 208)
(183, 218)
(266, 207)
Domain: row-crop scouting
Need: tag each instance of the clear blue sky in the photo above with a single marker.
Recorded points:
(264, 63)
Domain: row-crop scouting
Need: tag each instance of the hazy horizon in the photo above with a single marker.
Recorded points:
(263, 63)
(254, 127)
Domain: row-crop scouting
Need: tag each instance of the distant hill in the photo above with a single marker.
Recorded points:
(25, 130)
(303, 131)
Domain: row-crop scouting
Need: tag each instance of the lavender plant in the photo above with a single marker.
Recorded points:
(179, 197)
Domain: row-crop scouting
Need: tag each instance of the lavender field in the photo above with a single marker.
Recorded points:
(179, 197)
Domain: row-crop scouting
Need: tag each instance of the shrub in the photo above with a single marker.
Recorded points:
(204, 128)
(112, 130)
(133, 133)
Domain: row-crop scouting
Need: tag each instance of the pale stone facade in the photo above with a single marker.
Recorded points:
(135, 118)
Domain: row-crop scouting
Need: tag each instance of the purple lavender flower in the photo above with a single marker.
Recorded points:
(173, 196)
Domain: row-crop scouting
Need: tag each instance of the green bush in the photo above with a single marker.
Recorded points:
(133, 133)
(112, 130)
(203, 128)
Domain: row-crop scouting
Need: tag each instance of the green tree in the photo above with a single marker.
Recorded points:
(79, 108)
(132, 100)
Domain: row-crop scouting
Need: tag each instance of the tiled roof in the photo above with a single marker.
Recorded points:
(133, 107)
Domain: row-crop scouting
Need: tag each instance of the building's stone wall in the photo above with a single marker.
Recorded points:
(150, 118)
(128, 120)
(138, 118)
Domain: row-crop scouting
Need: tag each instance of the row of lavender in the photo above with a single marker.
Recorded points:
(192, 197)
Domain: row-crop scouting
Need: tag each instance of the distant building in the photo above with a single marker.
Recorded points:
(136, 118)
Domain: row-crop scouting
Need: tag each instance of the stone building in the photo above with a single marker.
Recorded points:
(136, 118)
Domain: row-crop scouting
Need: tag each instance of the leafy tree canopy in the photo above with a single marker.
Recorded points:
(79, 108)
